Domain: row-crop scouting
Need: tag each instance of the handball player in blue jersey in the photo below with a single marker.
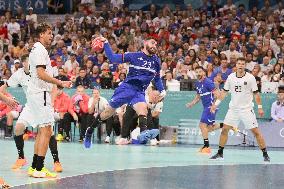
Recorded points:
(144, 66)
(206, 92)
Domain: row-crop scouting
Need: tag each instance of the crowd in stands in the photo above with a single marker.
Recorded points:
(212, 36)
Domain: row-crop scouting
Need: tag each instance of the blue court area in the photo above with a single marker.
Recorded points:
(175, 166)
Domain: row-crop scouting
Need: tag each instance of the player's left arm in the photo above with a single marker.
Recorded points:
(159, 83)
(259, 103)
(257, 96)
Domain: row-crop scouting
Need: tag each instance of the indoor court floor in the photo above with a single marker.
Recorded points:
(150, 167)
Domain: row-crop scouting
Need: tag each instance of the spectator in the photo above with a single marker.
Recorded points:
(221, 73)
(266, 67)
(277, 108)
(14, 31)
(70, 63)
(255, 73)
(63, 113)
(79, 104)
(117, 3)
(171, 84)
(55, 7)
(83, 80)
(249, 62)
(106, 77)
(31, 18)
(120, 79)
(61, 75)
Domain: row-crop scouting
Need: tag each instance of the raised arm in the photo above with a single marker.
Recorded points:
(114, 58)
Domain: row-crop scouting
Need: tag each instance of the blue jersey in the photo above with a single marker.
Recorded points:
(142, 69)
(205, 89)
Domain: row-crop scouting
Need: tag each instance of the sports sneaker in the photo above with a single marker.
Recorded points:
(57, 167)
(31, 171)
(19, 163)
(266, 158)
(154, 142)
(107, 140)
(122, 141)
(88, 137)
(205, 150)
(4, 185)
(44, 173)
(59, 137)
(217, 157)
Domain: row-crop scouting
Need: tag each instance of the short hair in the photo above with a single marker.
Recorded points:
(82, 69)
(149, 38)
(200, 67)
(281, 89)
(241, 59)
(24, 57)
(42, 28)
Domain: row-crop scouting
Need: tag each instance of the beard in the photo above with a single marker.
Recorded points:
(151, 50)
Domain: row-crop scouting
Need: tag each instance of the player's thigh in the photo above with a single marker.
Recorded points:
(232, 118)
(25, 117)
(248, 118)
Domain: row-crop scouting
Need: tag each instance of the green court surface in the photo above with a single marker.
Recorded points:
(79, 163)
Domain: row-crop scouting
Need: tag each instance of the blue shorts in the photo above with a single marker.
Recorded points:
(208, 117)
(126, 94)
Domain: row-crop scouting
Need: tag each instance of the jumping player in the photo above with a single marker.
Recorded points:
(144, 67)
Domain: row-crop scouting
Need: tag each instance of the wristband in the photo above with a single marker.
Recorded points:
(259, 106)
(217, 102)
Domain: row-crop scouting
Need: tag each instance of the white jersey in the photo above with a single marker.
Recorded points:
(154, 107)
(39, 57)
(101, 105)
(241, 89)
(19, 78)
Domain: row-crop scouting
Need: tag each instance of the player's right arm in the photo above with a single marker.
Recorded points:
(115, 58)
(45, 77)
(194, 101)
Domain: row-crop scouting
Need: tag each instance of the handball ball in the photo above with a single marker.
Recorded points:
(97, 45)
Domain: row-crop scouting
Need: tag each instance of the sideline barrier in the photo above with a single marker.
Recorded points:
(174, 105)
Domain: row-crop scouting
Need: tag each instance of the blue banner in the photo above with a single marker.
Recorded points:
(39, 6)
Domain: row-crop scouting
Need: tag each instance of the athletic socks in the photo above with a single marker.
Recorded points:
(264, 151)
(142, 122)
(39, 163)
(220, 151)
(53, 148)
(206, 143)
(20, 145)
(34, 161)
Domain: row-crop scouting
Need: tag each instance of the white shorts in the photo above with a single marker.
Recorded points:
(41, 109)
(25, 117)
(247, 117)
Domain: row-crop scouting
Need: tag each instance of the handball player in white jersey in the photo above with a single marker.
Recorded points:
(242, 86)
(39, 98)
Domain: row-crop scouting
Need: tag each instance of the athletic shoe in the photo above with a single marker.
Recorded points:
(31, 171)
(107, 140)
(59, 137)
(19, 163)
(205, 150)
(57, 167)
(154, 142)
(88, 137)
(122, 141)
(67, 139)
(266, 158)
(44, 173)
(4, 185)
(217, 157)
(8, 135)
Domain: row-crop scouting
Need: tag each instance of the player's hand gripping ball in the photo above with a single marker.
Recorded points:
(97, 45)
